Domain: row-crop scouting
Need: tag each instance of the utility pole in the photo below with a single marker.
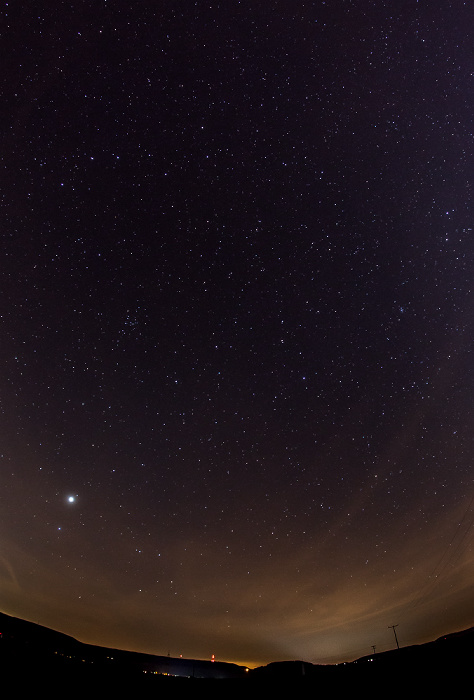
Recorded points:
(392, 627)
(373, 647)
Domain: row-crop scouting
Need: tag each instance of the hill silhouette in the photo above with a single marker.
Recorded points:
(37, 657)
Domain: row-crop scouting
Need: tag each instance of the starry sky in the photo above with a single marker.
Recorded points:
(236, 321)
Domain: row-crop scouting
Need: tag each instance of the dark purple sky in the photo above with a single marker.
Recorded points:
(236, 324)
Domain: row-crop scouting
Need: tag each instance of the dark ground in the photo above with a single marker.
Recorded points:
(33, 658)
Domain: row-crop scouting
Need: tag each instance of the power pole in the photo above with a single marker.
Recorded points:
(373, 647)
(392, 627)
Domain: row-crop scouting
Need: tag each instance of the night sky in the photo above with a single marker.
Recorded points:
(236, 323)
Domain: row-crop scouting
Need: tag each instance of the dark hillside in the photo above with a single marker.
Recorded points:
(33, 657)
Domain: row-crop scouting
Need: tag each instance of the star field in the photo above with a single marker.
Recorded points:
(236, 324)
